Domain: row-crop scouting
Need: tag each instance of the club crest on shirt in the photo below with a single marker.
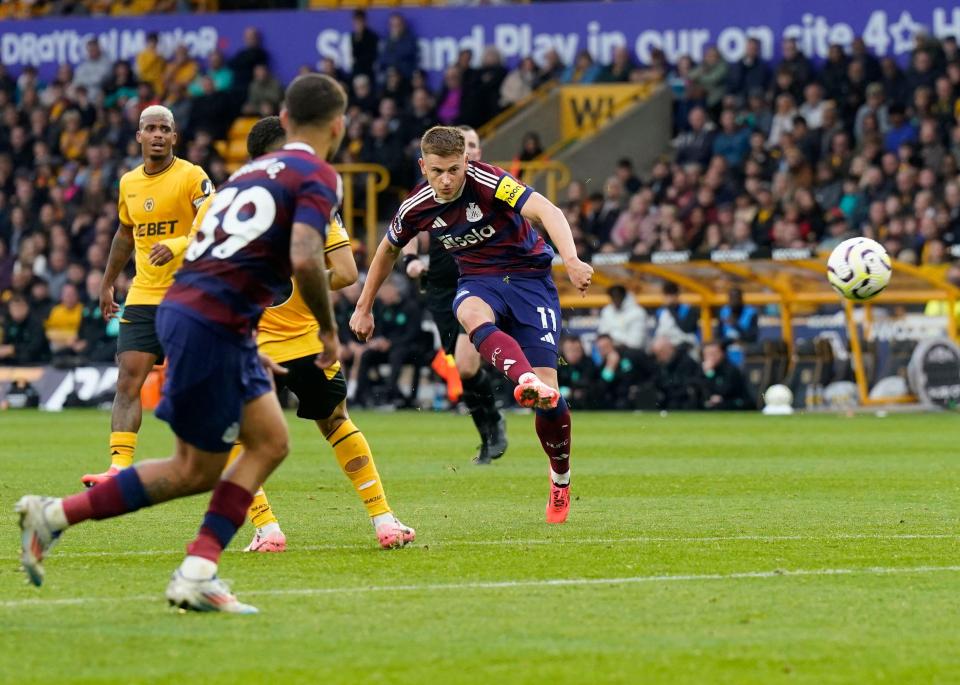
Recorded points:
(148, 205)
(474, 213)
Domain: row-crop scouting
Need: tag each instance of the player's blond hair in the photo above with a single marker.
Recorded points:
(157, 111)
(443, 141)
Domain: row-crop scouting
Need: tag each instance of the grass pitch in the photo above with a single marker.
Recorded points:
(721, 549)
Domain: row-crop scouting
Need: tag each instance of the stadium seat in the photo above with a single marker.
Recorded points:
(240, 128)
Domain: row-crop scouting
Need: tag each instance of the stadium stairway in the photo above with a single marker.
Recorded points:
(588, 128)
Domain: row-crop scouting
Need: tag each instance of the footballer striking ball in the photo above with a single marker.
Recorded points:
(859, 269)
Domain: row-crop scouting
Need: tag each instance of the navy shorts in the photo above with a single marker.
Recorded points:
(210, 376)
(526, 308)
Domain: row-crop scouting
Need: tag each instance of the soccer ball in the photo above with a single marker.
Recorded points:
(778, 400)
(859, 269)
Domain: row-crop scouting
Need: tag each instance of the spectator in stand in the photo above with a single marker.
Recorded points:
(724, 386)
(874, 106)
(451, 97)
(676, 376)
(247, 59)
(395, 342)
(732, 141)
(696, 144)
(737, 325)
(363, 97)
(23, 341)
(623, 320)
(399, 50)
(605, 210)
(93, 72)
(62, 325)
(751, 73)
(73, 139)
(627, 175)
(902, 130)
(783, 118)
(551, 70)
(419, 117)
(796, 62)
(813, 105)
(182, 69)
(150, 64)
(620, 67)
(621, 375)
(577, 378)
(119, 87)
(583, 70)
(364, 45)
(636, 226)
(482, 97)
(219, 73)
(519, 83)
(711, 76)
(264, 90)
(676, 321)
(382, 147)
(210, 112)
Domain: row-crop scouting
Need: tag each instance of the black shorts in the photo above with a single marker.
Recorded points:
(440, 306)
(318, 395)
(138, 331)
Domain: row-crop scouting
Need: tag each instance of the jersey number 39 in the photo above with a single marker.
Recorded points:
(259, 210)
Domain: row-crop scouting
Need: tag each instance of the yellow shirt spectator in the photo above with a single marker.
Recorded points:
(151, 66)
(63, 323)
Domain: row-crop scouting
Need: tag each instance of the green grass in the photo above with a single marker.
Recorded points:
(686, 506)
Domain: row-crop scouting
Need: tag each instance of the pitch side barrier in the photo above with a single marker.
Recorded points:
(792, 280)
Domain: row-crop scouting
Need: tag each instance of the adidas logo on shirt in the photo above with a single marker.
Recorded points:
(439, 223)
(549, 338)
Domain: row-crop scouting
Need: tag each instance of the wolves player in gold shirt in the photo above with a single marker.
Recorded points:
(158, 201)
(287, 333)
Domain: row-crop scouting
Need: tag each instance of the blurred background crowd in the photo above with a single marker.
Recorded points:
(765, 155)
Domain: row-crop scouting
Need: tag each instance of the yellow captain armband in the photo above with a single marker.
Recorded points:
(509, 191)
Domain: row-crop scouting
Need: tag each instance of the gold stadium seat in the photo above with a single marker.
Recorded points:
(240, 128)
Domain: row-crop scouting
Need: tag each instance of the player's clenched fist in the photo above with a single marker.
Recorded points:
(361, 323)
(580, 274)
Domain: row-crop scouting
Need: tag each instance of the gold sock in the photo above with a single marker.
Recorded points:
(260, 512)
(122, 447)
(353, 455)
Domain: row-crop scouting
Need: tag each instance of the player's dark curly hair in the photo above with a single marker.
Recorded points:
(266, 136)
(314, 99)
(443, 141)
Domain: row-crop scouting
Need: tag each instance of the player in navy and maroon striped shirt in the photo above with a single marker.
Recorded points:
(506, 299)
(267, 222)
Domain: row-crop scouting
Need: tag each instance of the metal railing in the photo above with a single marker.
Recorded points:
(376, 179)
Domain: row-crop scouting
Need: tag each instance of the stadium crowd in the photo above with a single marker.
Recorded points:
(766, 155)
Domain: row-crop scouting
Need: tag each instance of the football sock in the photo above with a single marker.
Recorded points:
(122, 447)
(119, 495)
(353, 455)
(380, 519)
(260, 513)
(480, 401)
(553, 429)
(269, 528)
(228, 509)
(501, 350)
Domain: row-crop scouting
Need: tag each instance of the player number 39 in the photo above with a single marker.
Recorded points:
(261, 210)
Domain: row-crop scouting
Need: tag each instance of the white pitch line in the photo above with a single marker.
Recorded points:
(642, 539)
(512, 584)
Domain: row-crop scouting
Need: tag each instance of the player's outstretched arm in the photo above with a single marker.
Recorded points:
(342, 268)
(361, 323)
(120, 250)
(309, 271)
(540, 209)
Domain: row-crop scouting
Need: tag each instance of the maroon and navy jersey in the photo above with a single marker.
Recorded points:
(240, 257)
(482, 228)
